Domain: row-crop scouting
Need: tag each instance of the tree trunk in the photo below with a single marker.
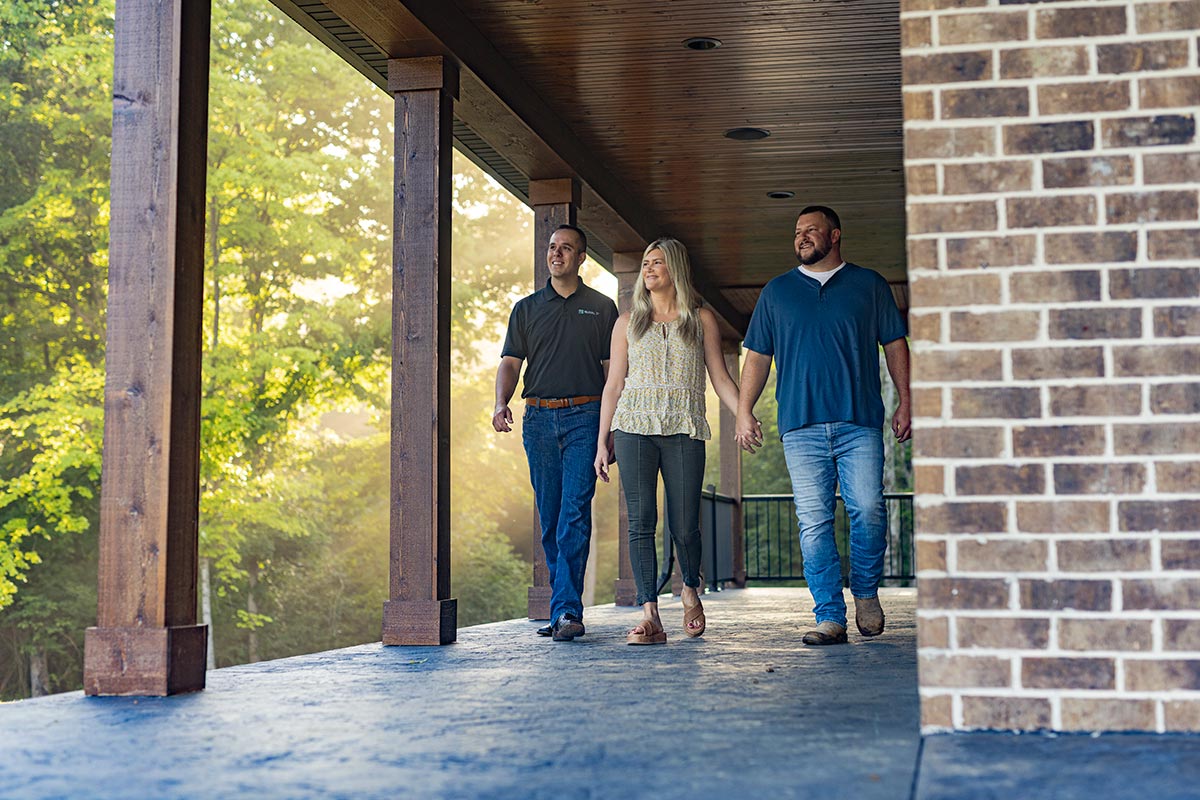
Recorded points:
(252, 609)
(206, 611)
(39, 675)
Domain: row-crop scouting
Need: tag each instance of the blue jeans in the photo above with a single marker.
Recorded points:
(561, 446)
(819, 457)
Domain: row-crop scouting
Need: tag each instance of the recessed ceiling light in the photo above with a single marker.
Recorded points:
(702, 43)
(747, 134)
(781, 194)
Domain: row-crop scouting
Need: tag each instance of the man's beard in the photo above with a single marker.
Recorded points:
(816, 255)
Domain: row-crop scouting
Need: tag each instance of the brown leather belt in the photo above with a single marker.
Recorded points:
(561, 402)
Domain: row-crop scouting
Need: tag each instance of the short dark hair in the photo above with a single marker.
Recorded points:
(578, 232)
(829, 214)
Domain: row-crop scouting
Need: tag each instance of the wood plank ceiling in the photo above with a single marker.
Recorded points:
(606, 91)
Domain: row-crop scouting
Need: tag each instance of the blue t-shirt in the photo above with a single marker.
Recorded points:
(825, 341)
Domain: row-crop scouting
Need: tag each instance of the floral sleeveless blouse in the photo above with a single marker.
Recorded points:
(664, 387)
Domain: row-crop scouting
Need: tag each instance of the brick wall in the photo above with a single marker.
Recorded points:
(1054, 259)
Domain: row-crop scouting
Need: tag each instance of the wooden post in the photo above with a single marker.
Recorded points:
(420, 609)
(555, 202)
(146, 640)
(731, 467)
(626, 267)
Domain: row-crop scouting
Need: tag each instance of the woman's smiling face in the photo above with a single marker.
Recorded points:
(654, 271)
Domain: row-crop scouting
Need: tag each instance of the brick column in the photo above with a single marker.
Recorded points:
(626, 266)
(1054, 260)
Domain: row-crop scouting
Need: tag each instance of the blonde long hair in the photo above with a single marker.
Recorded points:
(679, 267)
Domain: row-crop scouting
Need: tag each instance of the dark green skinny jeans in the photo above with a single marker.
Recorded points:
(680, 458)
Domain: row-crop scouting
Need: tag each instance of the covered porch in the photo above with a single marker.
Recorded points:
(566, 135)
(502, 87)
(506, 714)
(503, 713)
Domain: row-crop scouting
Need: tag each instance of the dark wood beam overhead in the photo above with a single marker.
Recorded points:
(500, 105)
(609, 93)
(146, 640)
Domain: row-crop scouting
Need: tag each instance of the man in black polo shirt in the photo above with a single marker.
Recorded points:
(563, 330)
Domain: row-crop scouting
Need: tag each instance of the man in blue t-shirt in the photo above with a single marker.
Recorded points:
(823, 323)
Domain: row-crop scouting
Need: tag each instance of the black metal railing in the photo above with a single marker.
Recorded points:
(718, 513)
(772, 540)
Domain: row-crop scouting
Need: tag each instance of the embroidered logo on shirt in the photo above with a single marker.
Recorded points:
(589, 312)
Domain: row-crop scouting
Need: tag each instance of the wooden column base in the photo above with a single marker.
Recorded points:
(625, 592)
(432, 622)
(539, 602)
(144, 661)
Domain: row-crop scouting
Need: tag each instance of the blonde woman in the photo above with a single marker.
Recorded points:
(653, 402)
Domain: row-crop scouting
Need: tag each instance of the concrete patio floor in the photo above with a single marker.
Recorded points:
(746, 710)
(1113, 766)
(504, 713)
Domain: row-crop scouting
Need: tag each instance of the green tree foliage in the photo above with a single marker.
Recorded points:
(50, 456)
(300, 326)
(50, 446)
(297, 326)
(296, 319)
(53, 240)
(55, 78)
(765, 472)
(55, 94)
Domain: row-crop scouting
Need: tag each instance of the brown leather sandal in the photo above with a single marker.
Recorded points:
(694, 614)
(652, 633)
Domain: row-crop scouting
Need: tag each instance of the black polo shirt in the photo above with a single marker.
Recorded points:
(562, 340)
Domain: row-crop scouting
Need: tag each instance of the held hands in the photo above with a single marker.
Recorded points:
(502, 418)
(748, 433)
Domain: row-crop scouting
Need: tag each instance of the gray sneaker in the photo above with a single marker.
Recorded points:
(868, 615)
(827, 632)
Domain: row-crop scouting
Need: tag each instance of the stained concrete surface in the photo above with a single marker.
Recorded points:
(1004, 766)
(746, 710)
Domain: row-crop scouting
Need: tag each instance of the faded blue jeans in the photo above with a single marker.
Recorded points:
(819, 458)
(561, 446)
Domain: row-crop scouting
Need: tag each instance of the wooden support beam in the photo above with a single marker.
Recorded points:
(555, 192)
(626, 267)
(731, 466)
(419, 609)
(557, 204)
(146, 641)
